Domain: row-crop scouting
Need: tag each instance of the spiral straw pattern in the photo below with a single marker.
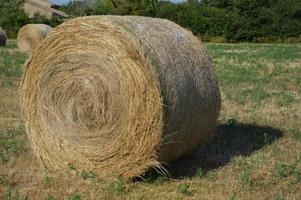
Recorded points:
(31, 35)
(118, 95)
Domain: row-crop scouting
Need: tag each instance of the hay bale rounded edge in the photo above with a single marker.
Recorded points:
(3, 37)
(31, 35)
(118, 95)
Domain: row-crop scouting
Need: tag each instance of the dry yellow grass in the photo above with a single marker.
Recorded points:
(255, 154)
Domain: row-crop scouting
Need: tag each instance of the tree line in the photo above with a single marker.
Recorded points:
(223, 20)
(233, 20)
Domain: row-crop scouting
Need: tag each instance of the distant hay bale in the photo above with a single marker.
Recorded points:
(118, 95)
(31, 35)
(3, 37)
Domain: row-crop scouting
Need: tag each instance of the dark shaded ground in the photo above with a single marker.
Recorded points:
(231, 139)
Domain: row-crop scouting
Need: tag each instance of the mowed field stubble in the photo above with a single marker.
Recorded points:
(255, 153)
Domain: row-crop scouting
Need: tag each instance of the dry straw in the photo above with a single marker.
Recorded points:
(118, 95)
(31, 35)
(3, 37)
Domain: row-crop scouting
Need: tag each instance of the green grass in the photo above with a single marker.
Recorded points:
(257, 73)
(11, 63)
(118, 186)
(88, 175)
(74, 196)
(10, 44)
(11, 194)
(295, 133)
(184, 188)
(245, 177)
(200, 173)
(284, 171)
(252, 51)
(255, 153)
(13, 142)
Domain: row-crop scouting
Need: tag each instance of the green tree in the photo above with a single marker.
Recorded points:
(252, 19)
(102, 7)
(126, 7)
(285, 16)
(12, 16)
(167, 10)
(78, 8)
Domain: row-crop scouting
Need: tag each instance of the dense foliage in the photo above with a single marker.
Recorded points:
(226, 20)
(13, 17)
(234, 20)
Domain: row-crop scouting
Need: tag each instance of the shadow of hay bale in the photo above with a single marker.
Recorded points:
(231, 139)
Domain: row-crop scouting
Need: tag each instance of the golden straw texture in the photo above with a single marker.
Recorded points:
(31, 35)
(3, 37)
(118, 95)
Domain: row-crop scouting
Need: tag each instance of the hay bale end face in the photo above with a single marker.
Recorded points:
(3, 37)
(118, 95)
(31, 35)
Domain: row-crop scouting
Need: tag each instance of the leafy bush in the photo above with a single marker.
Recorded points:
(13, 17)
(243, 20)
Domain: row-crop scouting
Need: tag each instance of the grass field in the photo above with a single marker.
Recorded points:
(255, 154)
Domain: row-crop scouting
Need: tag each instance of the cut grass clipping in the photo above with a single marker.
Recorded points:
(118, 95)
(31, 35)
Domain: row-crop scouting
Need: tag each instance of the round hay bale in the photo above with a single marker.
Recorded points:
(3, 37)
(118, 95)
(31, 35)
